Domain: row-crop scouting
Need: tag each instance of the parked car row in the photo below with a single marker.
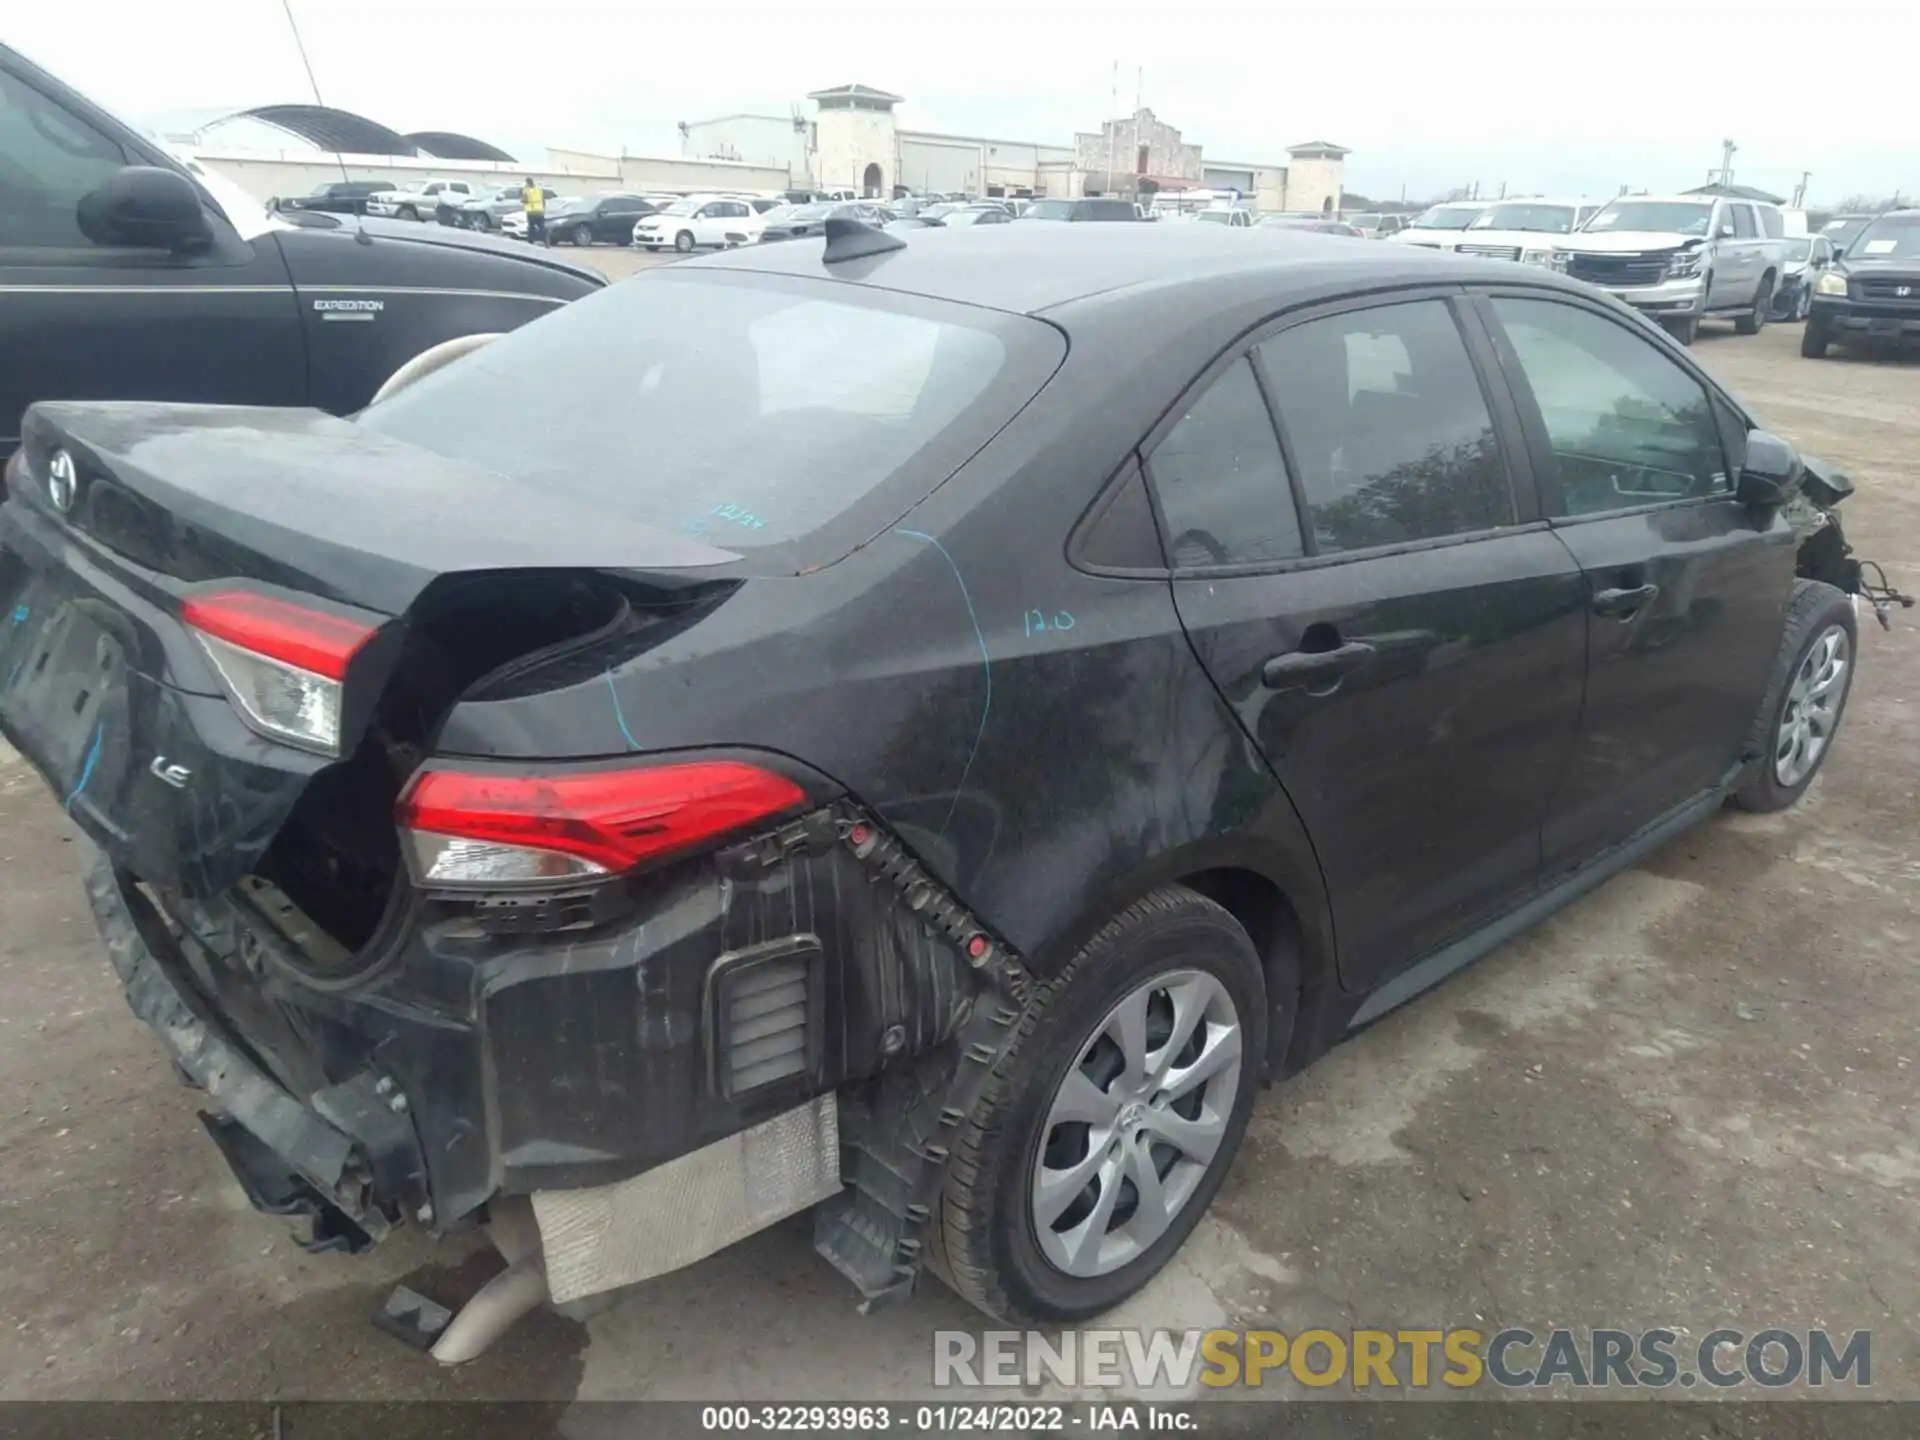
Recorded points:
(1677, 259)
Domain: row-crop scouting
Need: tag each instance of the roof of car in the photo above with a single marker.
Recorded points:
(1030, 268)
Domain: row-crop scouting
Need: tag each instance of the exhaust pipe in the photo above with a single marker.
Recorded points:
(519, 1288)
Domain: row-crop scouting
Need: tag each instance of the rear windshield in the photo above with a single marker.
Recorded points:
(751, 410)
(1049, 210)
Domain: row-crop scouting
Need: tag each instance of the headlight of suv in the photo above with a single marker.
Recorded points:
(1830, 283)
(1543, 256)
(1685, 264)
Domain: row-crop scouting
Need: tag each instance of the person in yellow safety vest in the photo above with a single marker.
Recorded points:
(534, 201)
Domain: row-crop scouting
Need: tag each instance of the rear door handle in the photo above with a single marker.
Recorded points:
(1297, 666)
(1624, 603)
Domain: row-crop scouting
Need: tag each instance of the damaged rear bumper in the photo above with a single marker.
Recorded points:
(796, 1019)
(325, 1160)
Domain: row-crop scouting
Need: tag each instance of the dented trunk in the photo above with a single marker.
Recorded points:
(449, 572)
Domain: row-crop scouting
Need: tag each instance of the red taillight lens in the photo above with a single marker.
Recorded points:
(309, 640)
(284, 665)
(490, 828)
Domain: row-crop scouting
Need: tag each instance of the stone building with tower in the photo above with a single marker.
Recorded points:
(852, 140)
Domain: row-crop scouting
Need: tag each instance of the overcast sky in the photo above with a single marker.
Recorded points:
(1575, 97)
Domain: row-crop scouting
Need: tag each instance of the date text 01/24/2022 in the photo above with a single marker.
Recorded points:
(982, 1419)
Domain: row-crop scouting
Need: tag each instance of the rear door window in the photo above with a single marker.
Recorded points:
(1388, 427)
(1221, 480)
(1743, 226)
(755, 411)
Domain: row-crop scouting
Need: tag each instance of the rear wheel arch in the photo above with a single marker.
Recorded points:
(1276, 895)
(1292, 968)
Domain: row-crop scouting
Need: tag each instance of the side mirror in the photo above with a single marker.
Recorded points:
(147, 208)
(1771, 473)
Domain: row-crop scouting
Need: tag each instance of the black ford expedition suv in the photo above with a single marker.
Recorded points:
(127, 275)
(1872, 293)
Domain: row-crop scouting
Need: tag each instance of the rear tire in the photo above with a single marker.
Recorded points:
(683, 242)
(985, 1240)
(1815, 339)
(1755, 322)
(1806, 699)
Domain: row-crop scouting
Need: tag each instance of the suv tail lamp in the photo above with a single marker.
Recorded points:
(284, 665)
(466, 828)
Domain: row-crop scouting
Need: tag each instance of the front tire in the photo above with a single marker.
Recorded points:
(1107, 1126)
(407, 212)
(1815, 339)
(1806, 699)
(1754, 323)
(1684, 328)
(583, 235)
(683, 242)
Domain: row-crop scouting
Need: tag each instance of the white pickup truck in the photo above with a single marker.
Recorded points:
(417, 202)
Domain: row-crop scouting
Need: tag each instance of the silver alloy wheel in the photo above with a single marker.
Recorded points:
(1136, 1123)
(1812, 711)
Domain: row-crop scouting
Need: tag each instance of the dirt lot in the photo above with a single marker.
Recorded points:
(1686, 1101)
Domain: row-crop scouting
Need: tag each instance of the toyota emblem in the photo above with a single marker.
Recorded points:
(63, 482)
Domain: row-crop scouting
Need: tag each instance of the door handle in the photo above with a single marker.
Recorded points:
(1297, 666)
(1624, 603)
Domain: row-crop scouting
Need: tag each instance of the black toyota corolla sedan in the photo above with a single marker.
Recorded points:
(845, 725)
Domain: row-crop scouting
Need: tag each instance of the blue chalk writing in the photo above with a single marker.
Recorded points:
(739, 516)
(86, 770)
(1037, 622)
(20, 613)
(620, 713)
(986, 665)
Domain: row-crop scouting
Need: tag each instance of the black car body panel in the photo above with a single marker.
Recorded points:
(269, 313)
(1010, 707)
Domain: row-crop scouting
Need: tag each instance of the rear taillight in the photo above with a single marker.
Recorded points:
(284, 665)
(485, 828)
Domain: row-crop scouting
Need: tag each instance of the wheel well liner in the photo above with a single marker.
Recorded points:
(1273, 923)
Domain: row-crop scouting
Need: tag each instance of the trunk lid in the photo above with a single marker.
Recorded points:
(319, 504)
(117, 702)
